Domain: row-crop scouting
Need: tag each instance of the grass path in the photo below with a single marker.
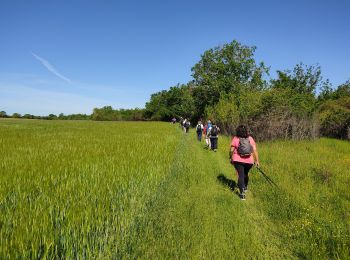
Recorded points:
(195, 215)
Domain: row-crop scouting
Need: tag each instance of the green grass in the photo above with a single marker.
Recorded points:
(146, 190)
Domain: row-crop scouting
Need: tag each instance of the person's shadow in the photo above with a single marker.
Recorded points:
(227, 182)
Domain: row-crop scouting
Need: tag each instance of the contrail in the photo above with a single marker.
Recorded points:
(51, 68)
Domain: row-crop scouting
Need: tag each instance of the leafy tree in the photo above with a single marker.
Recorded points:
(3, 114)
(175, 102)
(342, 91)
(326, 91)
(303, 80)
(230, 68)
(16, 115)
(52, 117)
(28, 116)
(105, 113)
(228, 65)
(61, 116)
(334, 116)
(225, 113)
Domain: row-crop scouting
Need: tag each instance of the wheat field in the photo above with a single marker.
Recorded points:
(83, 189)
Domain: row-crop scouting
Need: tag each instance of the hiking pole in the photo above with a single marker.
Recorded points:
(269, 180)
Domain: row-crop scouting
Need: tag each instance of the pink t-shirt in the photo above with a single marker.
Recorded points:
(236, 157)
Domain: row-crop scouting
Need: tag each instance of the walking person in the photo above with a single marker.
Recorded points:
(213, 136)
(181, 121)
(207, 129)
(205, 135)
(242, 154)
(199, 130)
(187, 124)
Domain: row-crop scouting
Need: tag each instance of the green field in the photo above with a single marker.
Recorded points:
(146, 190)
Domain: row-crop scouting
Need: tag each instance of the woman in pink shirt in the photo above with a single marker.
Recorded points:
(242, 153)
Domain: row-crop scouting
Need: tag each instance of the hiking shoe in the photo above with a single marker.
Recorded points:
(242, 196)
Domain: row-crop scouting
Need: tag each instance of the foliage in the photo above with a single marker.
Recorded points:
(334, 116)
(230, 68)
(61, 116)
(328, 93)
(107, 113)
(225, 113)
(3, 114)
(16, 115)
(166, 104)
(231, 87)
(303, 80)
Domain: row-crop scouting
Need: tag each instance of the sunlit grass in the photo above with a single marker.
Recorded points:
(74, 188)
(147, 190)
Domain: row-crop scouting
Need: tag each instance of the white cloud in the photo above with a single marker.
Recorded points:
(51, 68)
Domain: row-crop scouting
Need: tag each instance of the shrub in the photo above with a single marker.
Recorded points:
(334, 116)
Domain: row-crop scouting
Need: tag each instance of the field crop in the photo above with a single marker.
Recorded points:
(146, 190)
(72, 189)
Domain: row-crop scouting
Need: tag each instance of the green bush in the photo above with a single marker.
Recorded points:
(334, 116)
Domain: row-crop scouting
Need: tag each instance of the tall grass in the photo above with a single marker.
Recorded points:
(147, 190)
(72, 189)
(310, 210)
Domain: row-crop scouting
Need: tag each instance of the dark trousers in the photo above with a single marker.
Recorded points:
(243, 170)
(214, 143)
(199, 136)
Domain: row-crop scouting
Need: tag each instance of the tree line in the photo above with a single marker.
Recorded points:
(106, 113)
(230, 87)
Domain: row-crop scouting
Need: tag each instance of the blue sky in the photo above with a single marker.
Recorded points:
(72, 56)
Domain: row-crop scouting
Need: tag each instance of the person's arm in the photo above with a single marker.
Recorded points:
(256, 156)
(231, 151)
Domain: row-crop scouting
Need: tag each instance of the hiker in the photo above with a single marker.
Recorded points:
(213, 136)
(242, 153)
(173, 121)
(206, 130)
(181, 121)
(205, 133)
(199, 130)
(187, 124)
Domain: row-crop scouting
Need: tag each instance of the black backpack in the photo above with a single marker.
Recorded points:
(199, 128)
(244, 149)
(214, 131)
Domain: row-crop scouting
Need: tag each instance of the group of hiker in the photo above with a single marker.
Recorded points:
(243, 153)
(210, 132)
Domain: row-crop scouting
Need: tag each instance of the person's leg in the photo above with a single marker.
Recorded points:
(215, 143)
(212, 143)
(247, 168)
(240, 170)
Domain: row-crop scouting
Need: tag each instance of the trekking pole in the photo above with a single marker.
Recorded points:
(269, 180)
